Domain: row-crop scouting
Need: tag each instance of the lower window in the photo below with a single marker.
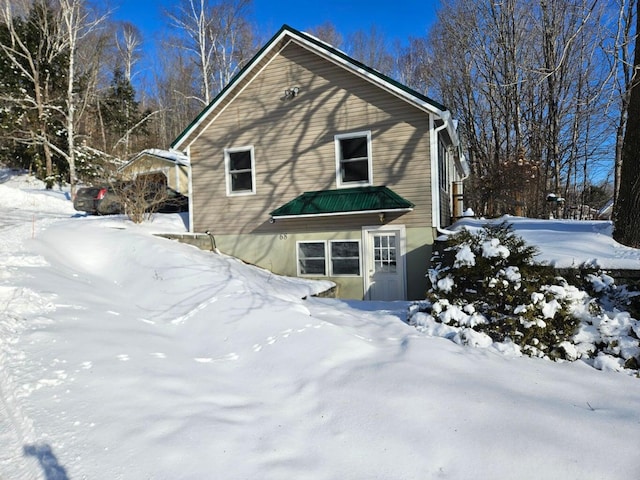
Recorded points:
(342, 258)
(312, 259)
(345, 257)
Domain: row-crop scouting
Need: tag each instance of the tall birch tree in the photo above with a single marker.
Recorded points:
(42, 44)
(217, 36)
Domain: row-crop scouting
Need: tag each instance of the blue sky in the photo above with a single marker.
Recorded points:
(397, 20)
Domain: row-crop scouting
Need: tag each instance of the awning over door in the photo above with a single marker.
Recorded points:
(345, 201)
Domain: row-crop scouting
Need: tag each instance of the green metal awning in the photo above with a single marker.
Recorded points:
(345, 201)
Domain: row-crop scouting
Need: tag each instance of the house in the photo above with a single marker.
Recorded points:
(170, 164)
(311, 164)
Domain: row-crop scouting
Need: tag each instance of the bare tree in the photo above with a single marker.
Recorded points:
(524, 79)
(371, 48)
(77, 24)
(34, 41)
(412, 61)
(59, 27)
(619, 54)
(174, 80)
(627, 206)
(327, 32)
(128, 42)
(218, 36)
(141, 196)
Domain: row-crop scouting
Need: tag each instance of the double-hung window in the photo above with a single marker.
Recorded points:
(353, 159)
(333, 258)
(240, 171)
(345, 257)
(312, 259)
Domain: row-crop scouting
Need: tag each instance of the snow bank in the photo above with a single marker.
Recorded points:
(567, 243)
(124, 355)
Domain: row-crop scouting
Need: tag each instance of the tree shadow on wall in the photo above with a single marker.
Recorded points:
(48, 461)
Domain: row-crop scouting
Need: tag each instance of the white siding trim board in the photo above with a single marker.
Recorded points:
(337, 214)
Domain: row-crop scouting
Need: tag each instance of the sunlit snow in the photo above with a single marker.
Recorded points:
(128, 356)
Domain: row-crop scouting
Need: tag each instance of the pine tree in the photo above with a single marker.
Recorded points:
(120, 112)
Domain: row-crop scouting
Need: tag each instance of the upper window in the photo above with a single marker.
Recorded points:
(353, 159)
(240, 171)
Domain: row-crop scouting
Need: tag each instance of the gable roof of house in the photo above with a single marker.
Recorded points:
(331, 53)
(343, 202)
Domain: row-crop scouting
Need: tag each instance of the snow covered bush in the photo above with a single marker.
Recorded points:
(610, 295)
(487, 291)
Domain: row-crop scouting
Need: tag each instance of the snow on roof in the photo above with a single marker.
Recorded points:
(169, 155)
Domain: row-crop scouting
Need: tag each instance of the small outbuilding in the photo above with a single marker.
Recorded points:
(173, 165)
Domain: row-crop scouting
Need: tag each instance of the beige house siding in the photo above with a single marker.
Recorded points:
(238, 86)
(277, 252)
(293, 141)
(294, 148)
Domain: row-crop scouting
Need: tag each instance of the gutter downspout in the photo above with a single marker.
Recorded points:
(190, 189)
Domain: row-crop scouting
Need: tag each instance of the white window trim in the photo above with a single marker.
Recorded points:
(326, 258)
(443, 166)
(328, 264)
(227, 171)
(330, 258)
(342, 136)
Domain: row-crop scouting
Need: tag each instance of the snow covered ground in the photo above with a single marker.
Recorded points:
(127, 356)
(590, 241)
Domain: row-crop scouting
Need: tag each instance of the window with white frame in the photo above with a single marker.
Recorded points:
(312, 259)
(240, 171)
(353, 159)
(443, 166)
(341, 258)
(345, 257)
(384, 252)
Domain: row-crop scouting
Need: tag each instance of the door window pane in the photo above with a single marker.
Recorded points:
(384, 253)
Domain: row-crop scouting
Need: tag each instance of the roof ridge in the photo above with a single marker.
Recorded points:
(331, 50)
(322, 44)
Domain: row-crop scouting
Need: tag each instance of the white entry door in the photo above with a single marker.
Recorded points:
(384, 263)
